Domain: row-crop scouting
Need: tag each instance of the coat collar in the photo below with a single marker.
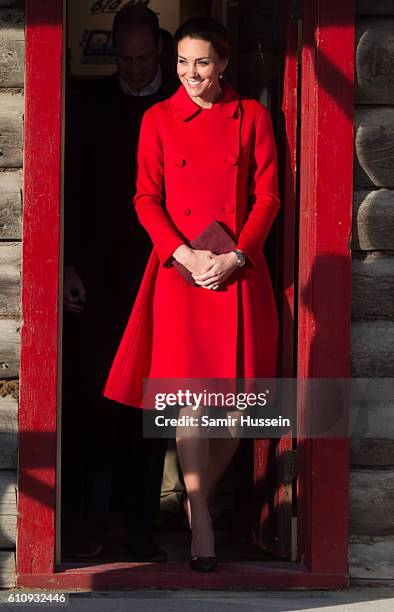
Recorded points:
(185, 108)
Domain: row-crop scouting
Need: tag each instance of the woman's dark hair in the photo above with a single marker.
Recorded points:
(205, 28)
(135, 16)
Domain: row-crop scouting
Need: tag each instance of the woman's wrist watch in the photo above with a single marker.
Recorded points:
(240, 258)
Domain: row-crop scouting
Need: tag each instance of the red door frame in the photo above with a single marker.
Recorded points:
(324, 288)
(326, 188)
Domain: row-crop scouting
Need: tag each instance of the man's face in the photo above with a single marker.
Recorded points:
(137, 56)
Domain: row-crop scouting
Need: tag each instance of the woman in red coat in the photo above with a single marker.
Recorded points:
(213, 155)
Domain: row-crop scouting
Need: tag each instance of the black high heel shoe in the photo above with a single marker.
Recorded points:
(203, 564)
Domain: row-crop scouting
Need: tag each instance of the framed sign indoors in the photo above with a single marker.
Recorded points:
(90, 25)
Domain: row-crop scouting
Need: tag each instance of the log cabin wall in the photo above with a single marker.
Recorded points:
(11, 152)
(371, 520)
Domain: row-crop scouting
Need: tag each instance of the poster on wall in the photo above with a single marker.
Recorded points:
(89, 25)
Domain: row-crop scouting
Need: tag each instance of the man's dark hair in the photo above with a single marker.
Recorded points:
(135, 16)
(205, 28)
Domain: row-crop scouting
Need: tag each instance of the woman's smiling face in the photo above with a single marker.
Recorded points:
(199, 68)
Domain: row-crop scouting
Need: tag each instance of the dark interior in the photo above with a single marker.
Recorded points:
(255, 70)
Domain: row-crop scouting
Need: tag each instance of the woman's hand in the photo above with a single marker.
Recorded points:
(221, 268)
(196, 261)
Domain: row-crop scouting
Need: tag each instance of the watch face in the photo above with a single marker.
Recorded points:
(240, 258)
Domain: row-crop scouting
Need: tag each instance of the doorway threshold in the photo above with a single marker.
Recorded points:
(130, 576)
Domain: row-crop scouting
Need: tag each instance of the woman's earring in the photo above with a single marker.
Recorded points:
(220, 76)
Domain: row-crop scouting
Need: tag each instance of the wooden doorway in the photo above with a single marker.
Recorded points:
(326, 113)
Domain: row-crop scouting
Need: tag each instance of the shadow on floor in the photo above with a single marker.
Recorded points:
(175, 539)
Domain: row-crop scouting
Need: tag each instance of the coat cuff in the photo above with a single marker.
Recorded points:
(165, 253)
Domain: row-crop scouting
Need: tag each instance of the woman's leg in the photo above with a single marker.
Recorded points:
(193, 455)
(203, 461)
(221, 451)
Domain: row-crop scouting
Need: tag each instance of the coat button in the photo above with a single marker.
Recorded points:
(229, 208)
(186, 212)
(180, 162)
(233, 160)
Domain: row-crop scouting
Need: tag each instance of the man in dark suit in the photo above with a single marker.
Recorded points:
(106, 251)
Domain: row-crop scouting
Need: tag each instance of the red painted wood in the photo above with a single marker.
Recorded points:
(288, 158)
(325, 267)
(39, 340)
(289, 199)
(265, 492)
(179, 576)
(274, 532)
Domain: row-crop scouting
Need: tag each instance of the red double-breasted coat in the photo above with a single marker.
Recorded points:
(195, 166)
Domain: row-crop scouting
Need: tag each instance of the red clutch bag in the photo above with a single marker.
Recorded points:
(214, 238)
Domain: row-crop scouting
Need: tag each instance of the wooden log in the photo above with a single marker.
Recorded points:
(8, 508)
(12, 48)
(12, 4)
(374, 61)
(7, 569)
(11, 139)
(371, 423)
(8, 435)
(8, 451)
(7, 529)
(9, 348)
(371, 557)
(8, 417)
(372, 349)
(373, 220)
(10, 205)
(375, 7)
(12, 22)
(8, 448)
(372, 452)
(371, 502)
(374, 147)
(372, 287)
(10, 279)
(8, 482)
